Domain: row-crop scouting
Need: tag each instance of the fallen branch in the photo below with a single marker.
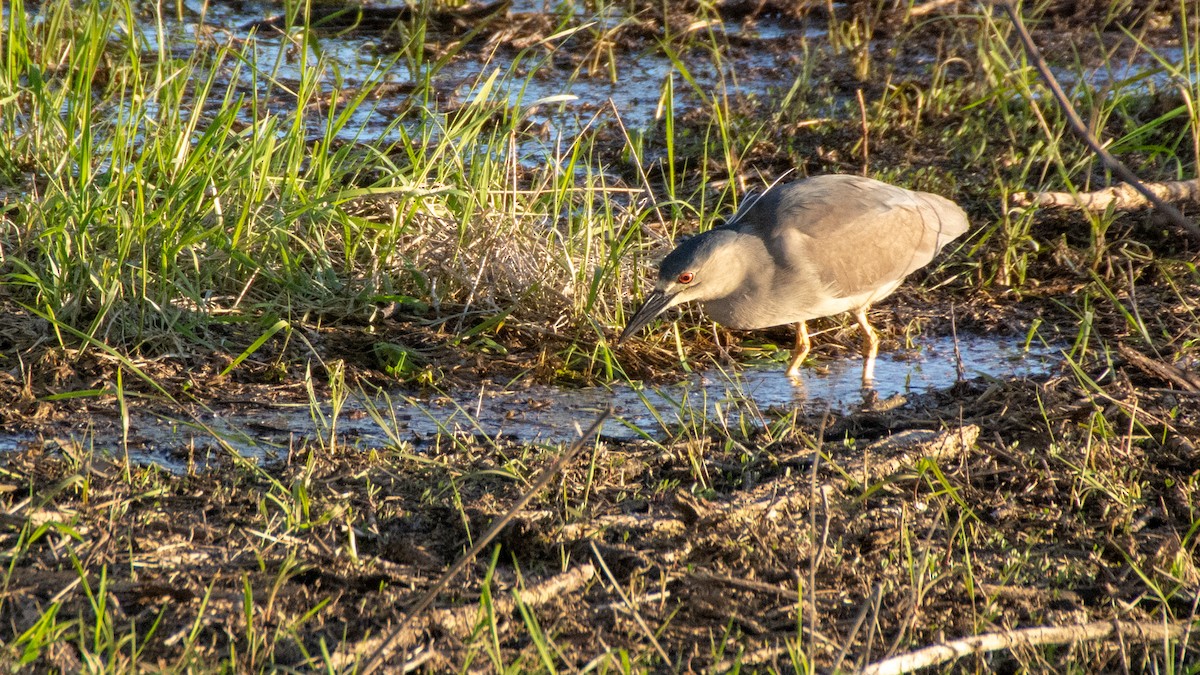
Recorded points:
(1163, 371)
(459, 621)
(1027, 637)
(1120, 197)
(1077, 125)
(1029, 593)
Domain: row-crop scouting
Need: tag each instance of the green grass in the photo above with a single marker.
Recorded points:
(144, 219)
(152, 225)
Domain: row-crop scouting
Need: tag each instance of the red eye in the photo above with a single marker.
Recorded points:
(686, 278)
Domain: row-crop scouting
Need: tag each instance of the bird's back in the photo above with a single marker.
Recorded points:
(853, 233)
(840, 242)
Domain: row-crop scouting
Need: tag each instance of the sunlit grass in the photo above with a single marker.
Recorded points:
(153, 222)
(163, 197)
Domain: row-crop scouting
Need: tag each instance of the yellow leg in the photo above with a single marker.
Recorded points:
(803, 347)
(870, 346)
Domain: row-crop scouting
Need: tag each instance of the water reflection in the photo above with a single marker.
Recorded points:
(744, 398)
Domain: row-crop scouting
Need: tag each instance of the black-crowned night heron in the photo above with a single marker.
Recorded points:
(813, 248)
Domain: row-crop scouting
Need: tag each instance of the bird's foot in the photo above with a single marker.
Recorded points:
(798, 358)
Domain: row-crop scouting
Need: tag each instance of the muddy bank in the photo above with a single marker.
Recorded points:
(989, 507)
(270, 471)
(266, 423)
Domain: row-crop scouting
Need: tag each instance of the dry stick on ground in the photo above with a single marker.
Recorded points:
(377, 659)
(1077, 125)
(919, 588)
(1028, 593)
(812, 525)
(930, 7)
(1042, 635)
(1163, 371)
(871, 602)
(1120, 197)
(1187, 633)
(460, 620)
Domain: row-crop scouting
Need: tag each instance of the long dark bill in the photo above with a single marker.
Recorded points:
(655, 304)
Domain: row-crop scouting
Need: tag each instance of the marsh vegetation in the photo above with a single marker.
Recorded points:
(209, 208)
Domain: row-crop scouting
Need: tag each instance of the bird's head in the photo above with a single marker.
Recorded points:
(706, 267)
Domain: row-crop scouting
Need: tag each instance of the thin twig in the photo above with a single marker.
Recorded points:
(872, 625)
(959, 367)
(1187, 633)
(1077, 125)
(930, 7)
(637, 162)
(812, 525)
(377, 659)
(637, 616)
(868, 603)
(866, 132)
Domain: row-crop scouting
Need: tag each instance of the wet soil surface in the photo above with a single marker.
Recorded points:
(963, 512)
(1059, 495)
(261, 426)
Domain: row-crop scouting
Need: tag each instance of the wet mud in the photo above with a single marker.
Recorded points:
(289, 515)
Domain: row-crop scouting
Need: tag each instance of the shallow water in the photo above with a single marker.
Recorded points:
(758, 58)
(739, 398)
(633, 83)
(546, 414)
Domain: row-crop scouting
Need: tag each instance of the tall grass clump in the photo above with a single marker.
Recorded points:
(165, 193)
(164, 189)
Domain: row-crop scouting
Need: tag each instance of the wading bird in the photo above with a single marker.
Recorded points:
(812, 248)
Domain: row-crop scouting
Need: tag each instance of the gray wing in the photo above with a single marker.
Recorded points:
(853, 234)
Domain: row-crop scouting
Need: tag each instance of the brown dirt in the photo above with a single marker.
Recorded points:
(1063, 500)
(980, 487)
